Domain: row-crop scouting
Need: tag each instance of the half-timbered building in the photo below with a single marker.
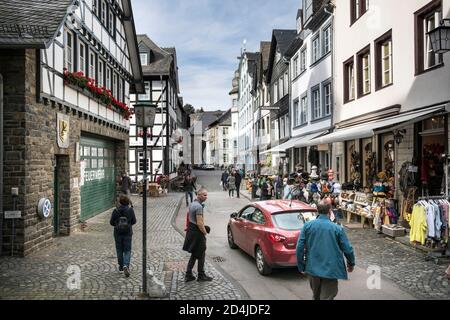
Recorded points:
(67, 70)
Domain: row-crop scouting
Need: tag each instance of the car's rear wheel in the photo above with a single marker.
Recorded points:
(261, 264)
(231, 240)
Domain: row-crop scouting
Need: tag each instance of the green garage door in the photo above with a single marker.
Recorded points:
(98, 188)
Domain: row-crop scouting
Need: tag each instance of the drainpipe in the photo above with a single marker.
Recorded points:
(1, 164)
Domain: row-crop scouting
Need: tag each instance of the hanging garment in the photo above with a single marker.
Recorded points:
(437, 221)
(418, 225)
(431, 217)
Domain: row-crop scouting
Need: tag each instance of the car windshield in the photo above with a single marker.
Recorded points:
(292, 220)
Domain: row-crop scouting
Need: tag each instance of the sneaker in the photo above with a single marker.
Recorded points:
(120, 268)
(204, 277)
(189, 277)
(126, 271)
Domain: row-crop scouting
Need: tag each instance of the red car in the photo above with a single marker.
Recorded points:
(268, 231)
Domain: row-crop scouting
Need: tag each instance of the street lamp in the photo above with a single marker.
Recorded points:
(145, 118)
(440, 37)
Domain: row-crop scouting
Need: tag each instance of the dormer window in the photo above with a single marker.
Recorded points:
(144, 58)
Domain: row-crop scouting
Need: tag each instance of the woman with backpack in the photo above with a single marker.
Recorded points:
(122, 219)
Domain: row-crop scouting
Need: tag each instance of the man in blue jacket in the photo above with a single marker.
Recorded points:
(321, 248)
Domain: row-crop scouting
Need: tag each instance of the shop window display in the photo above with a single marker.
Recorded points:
(432, 169)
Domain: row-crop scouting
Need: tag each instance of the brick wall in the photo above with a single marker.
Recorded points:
(30, 155)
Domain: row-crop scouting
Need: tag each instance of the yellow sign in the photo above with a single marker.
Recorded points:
(63, 129)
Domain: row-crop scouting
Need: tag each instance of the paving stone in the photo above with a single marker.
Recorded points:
(42, 275)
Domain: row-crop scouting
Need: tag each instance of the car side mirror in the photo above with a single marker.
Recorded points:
(233, 215)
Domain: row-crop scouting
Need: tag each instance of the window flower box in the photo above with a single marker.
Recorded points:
(78, 81)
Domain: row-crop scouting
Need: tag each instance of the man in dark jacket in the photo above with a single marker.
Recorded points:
(122, 234)
(195, 241)
(189, 188)
(238, 179)
(224, 180)
(125, 186)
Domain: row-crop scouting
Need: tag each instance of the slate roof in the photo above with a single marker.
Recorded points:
(281, 39)
(206, 118)
(284, 39)
(265, 52)
(224, 120)
(160, 60)
(31, 23)
(295, 45)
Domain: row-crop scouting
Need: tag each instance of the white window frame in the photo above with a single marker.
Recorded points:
(111, 22)
(108, 78)
(428, 50)
(103, 12)
(385, 59)
(351, 79)
(281, 87)
(82, 57)
(120, 98)
(315, 52)
(303, 59)
(286, 83)
(327, 40)
(275, 92)
(297, 113)
(315, 103)
(101, 66)
(328, 98)
(143, 56)
(366, 73)
(295, 70)
(304, 109)
(68, 56)
(92, 65)
(114, 85)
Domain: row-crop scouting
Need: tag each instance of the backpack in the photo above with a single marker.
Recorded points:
(123, 227)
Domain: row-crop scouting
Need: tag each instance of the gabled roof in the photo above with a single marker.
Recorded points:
(173, 52)
(281, 39)
(206, 119)
(31, 23)
(160, 60)
(295, 45)
(224, 120)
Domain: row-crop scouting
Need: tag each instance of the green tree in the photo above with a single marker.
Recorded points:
(189, 108)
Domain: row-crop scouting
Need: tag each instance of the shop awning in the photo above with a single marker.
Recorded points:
(293, 142)
(369, 129)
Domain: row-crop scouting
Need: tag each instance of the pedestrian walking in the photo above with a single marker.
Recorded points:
(122, 219)
(321, 248)
(238, 178)
(195, 241)
(125, 186)
(189, 188)
(231, 182)
(224, 180)
(265, 190)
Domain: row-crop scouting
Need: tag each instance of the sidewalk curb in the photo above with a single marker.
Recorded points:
(244, 294)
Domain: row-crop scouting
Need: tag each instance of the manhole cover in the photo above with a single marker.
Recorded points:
(218, 259)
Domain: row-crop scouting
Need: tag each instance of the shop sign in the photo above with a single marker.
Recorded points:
(62, 129)
(92, 175)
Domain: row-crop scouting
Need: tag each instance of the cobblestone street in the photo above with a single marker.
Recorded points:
(404, 265)
(43, 275)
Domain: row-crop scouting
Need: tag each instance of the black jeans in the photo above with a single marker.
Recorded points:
(238, 186)
(200, 264)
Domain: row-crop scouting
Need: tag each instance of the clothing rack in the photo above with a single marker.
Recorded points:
(436, 256)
